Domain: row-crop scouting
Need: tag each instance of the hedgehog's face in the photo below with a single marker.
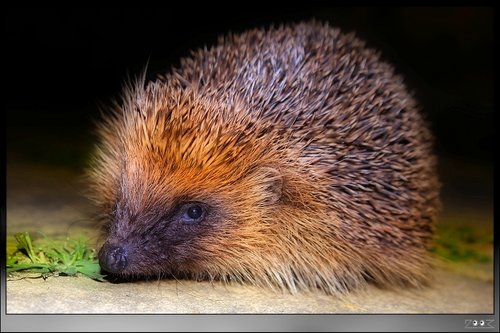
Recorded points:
(193, 220)
(163, 239)
(192, 188)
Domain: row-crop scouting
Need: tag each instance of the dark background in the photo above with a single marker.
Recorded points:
(60, 64)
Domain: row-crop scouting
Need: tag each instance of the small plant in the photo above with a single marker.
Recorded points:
(464, 243)
(54, 257)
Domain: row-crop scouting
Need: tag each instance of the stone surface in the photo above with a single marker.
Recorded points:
(449, 294)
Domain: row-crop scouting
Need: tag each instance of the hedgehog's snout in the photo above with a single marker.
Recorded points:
(113, 259)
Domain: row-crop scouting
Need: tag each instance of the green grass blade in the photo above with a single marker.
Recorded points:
(57, 256)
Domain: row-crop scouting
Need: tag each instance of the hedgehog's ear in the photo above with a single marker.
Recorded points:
(272, 183)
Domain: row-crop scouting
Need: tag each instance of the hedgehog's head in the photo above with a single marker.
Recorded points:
(188, 187)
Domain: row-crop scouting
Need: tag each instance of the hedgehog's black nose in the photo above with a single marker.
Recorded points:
(112, 259)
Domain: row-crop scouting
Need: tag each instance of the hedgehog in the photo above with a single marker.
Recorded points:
(289, 156)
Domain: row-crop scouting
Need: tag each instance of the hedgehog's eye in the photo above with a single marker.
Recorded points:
(193, 213)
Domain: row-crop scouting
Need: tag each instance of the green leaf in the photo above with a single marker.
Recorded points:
(91, 269)
(24, 243)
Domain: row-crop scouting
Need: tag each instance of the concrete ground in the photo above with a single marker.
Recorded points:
(50, 200)
(450, 294)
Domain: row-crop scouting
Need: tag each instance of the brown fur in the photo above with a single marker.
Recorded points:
(313, 158)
